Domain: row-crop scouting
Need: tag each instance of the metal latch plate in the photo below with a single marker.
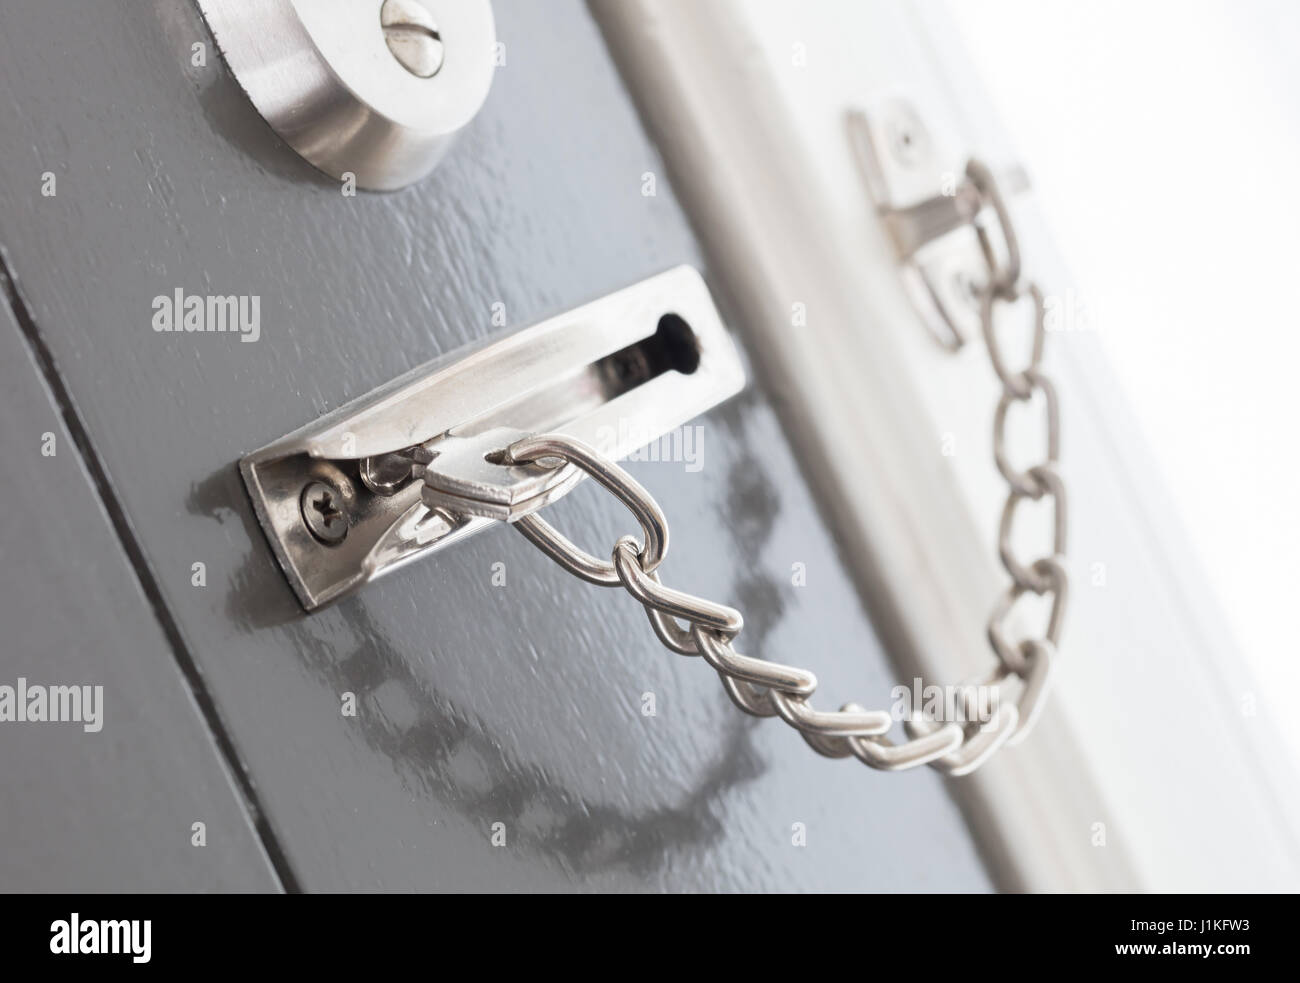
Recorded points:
(617, 373)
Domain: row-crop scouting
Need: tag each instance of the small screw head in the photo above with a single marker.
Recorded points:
(323, 514)
(908, 139)
(965, 288)
(412, 36)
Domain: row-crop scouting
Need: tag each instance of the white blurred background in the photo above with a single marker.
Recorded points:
(1159, 137)
(1185, 118)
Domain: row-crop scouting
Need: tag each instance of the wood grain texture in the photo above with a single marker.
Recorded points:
(478, 704)
(110, 809)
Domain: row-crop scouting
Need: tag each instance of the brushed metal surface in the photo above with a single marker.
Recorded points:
(552, 376)
(324, 75)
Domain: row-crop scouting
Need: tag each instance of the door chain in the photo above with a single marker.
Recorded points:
(769, 689)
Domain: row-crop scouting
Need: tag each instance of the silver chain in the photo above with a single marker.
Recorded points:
(769, 689)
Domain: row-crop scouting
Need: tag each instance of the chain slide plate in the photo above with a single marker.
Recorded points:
(617, 373)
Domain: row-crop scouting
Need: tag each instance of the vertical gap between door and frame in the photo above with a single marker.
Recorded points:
(131, 545)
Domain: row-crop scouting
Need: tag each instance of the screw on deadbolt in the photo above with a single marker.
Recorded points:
(322, 511)
(412, 36)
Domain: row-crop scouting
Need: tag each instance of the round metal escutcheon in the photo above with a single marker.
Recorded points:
(368, 88)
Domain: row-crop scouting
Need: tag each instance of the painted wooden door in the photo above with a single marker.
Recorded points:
(132, 559)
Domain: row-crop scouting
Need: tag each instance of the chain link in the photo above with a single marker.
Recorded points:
(694, 626)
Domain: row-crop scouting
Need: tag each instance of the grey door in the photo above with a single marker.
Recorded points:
(132, 559)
